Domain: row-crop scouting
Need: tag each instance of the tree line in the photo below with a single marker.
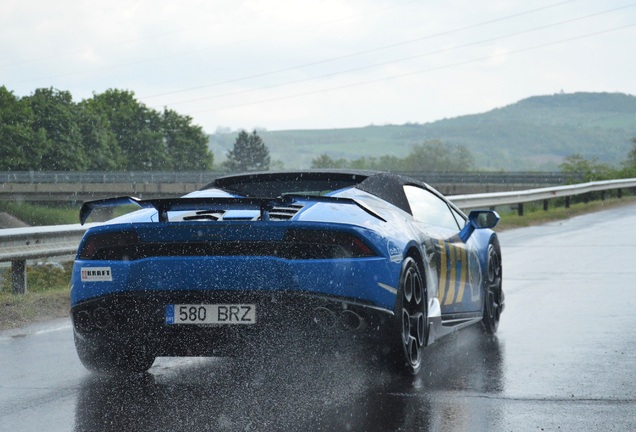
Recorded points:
(594, 170)
(111, 131)
(432, 156)
(429, 156)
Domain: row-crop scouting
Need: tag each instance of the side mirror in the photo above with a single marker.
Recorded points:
(478, 219)
(483, 218)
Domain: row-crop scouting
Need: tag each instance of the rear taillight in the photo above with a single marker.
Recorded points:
(110, 246)
(296, 244)
(328, 244)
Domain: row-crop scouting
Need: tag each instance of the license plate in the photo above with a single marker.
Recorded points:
(211, 314)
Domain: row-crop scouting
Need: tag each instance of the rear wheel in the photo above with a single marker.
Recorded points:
(410, 330)
(493, 302)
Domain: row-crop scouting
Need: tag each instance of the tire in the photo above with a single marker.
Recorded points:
(107, 358)
(410, 329)
(493, 298)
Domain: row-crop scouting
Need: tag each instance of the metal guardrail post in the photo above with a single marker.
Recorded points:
(18, 276)
(19, 245)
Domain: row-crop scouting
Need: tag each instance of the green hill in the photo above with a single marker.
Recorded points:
(532, 134)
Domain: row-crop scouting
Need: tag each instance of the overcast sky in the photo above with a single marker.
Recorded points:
(285, 64)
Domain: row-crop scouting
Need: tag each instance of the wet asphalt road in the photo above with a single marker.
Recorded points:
(564, 360)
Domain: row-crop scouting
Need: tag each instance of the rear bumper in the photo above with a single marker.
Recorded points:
(139, 319)
(368, 280)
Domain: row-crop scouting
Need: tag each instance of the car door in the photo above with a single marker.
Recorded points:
(457, 264)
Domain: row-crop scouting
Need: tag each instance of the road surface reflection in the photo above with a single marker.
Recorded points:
(302, 389)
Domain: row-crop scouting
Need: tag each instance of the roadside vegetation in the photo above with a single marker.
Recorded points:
(35, 214)
(47, 295)
(40, 214)
(110, 131)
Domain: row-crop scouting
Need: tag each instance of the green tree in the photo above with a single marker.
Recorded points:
(110, 131)
(386, 163)
(360, 163)
(590, 169)
(99, 141)
(429, 156)
(325, 161)
(629, 165)
(137, 128)
(248, 154)
(21, 145)
(437, 156)
(55, 112)
(187, 145)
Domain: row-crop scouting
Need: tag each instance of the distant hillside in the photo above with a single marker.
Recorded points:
(532, 134)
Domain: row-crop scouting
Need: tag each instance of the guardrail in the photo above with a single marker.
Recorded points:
(518, 198)
(204, 177)
(74, 187)
(18, 245)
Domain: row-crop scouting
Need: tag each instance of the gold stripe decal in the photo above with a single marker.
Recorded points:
(454, 275)
(443, 275)
(450, 295)
(463, 277)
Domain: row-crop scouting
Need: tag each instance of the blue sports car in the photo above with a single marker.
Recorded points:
(251, 257)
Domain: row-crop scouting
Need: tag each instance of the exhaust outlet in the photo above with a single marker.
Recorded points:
(324, 318)
(84, 322)
(102, 318)
(351, 320)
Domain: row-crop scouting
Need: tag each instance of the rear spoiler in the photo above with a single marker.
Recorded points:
(264, 205)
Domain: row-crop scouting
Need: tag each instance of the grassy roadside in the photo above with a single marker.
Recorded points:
(19, 310)
(47, 295)
(41, 215)
(41, 304)
(38, 215)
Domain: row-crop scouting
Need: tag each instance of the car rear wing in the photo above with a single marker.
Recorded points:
(165, 205)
